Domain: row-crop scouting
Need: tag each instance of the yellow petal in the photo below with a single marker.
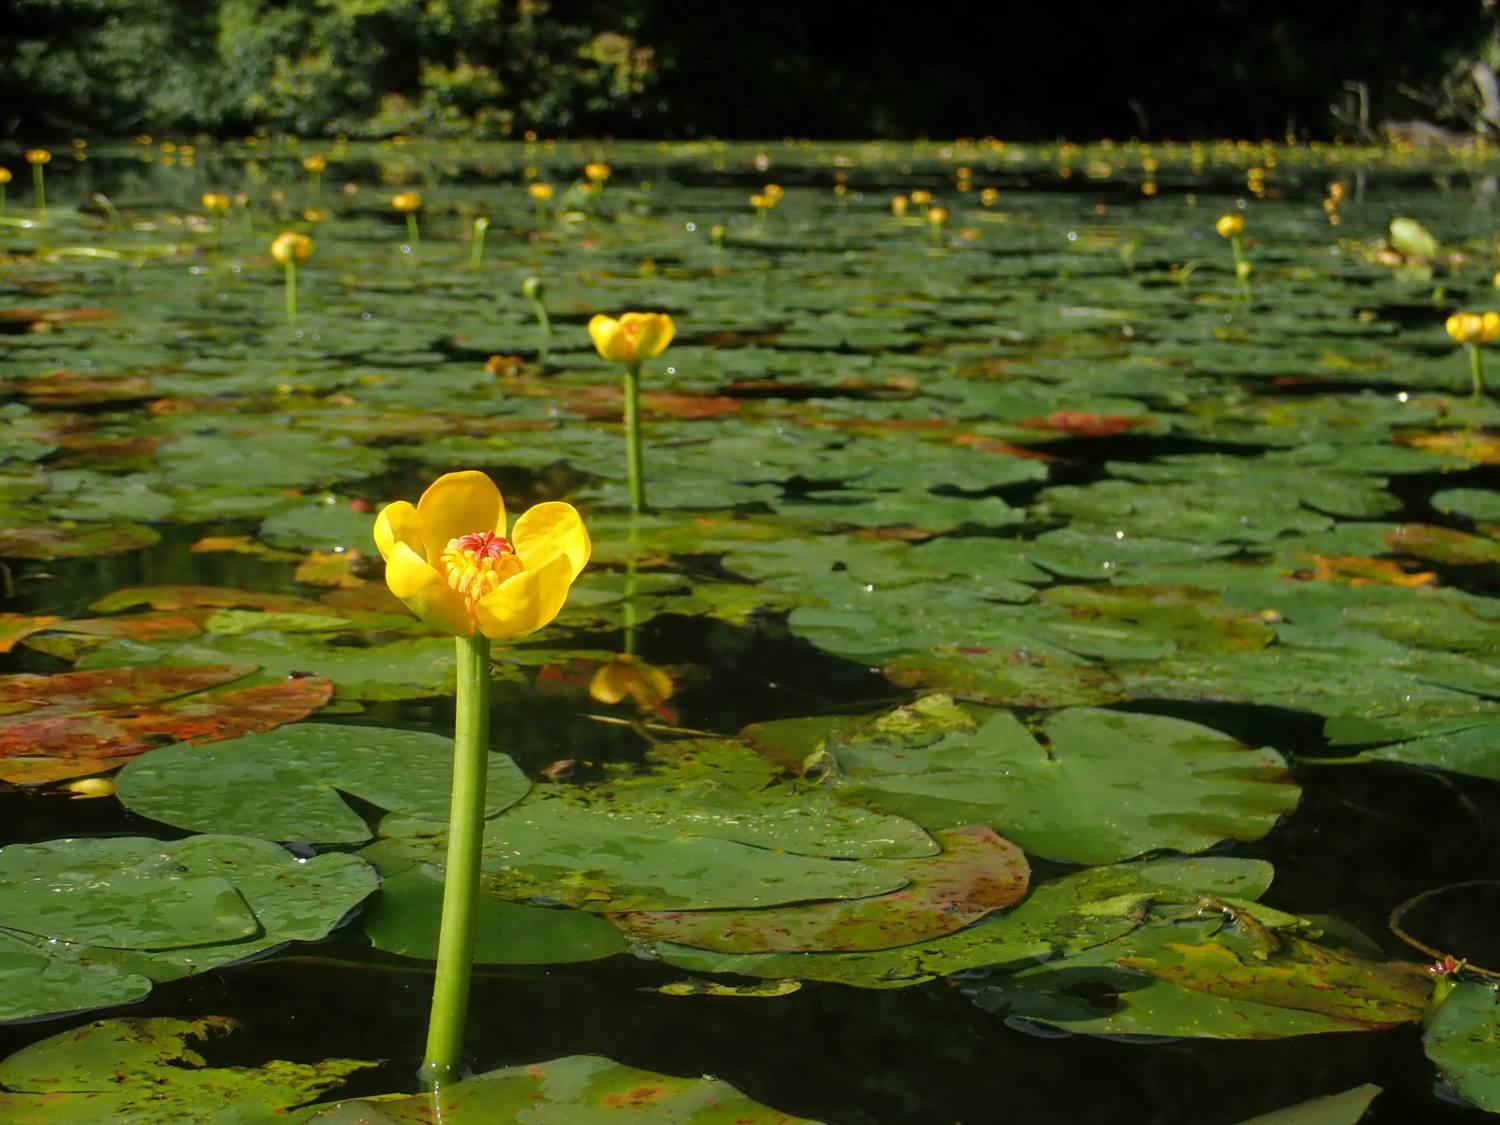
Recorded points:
(426, 593)
(397, 523)
(459, 504)
(605, 332)
(548, 531)
(525, 603)
(651, 333)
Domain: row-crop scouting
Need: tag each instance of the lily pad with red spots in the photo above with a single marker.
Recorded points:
(77, 723)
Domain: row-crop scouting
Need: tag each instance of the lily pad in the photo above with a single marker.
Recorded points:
(285, 784)
(77, 723)
(1462, 1040)
(580, 1088)
(976, 874)
(1347, 1108)
(76, 1077)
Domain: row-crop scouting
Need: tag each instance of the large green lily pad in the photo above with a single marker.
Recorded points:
(285, 785)
(1462, 1040)
(88, 922)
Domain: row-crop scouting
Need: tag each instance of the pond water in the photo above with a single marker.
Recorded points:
(1037, 518)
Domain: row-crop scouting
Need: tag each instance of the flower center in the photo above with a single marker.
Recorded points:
(477, 564)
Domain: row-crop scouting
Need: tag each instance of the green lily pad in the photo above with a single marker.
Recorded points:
(76, 1077)
(976, 874)
(285, 784)
(1462, 1039)
(1076, 796)
(75, 541)
(585, 1089)
(1346, 1108)
(1005, 677)
(77, 933)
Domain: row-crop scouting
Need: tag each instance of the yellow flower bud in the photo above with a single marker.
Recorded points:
(988, 196)
(4, 175)
(315, 162)
(289, 246)
(407, 201)
(921, 197)
(1465, 327)
(1490, 326)
(215, 201)
(37, 156)
(1230, 225)
(636, 336)
(539, 192)
(898, 205)
(596, 172)
(937, 216)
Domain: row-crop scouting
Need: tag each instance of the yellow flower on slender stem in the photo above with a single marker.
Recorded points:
(409, 203)
(216, 204)
(936, 217)
(314, 165)
(922, 198)
(449, 560)
(898, 205)
(631, 340)
(1232, 226)
(596, 172)
(541, 194)
(988, 196)
(1472, 330)
(289, 248)
(4, 179)
(476, 245)
(37, 157)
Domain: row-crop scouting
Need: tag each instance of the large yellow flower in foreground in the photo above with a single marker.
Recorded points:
(635, 337)
(449, 560)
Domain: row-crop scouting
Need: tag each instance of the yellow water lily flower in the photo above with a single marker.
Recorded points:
(1473, 328)
(1230, 225)
(4, 175)
(407, 201)
(315, 162)
(448, 558)
(37, 156)
(539, 192)
(289, 246)
(898, 205)
(634, 338)
(597, 171)
(215, 201)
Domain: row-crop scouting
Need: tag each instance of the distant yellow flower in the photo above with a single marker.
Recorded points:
(632, 339)
(596, 172)
(215, 201)
(1230, 225)
(449, 560)
(921, 197)
(898, 205)
(37, 156)
(988, 196)
(773, 192)
(4, 175)
(539, 192)
(407, 201)
(937, 216)
(289, 246)
(761, 202)
(1468, 328)
(315, 162)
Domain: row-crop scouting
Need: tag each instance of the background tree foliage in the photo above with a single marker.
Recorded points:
(1084, 68)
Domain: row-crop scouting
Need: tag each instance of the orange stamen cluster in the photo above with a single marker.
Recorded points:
(478, 563)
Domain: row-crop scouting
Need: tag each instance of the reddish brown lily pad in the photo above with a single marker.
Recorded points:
(976, 873)
(78, 723)
(1080, 423)
(75, 541)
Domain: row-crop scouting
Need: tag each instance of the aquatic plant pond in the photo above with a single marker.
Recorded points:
(1036, 663)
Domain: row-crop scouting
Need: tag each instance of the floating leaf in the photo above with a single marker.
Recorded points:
(77, 723)
(1005, 677)
(581, 1088)
(1462, 1040)
(976, 874)
(76, 1077)
(1347, 1108)
(285, 785)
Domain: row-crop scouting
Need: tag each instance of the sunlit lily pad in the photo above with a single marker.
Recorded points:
(1347, 1108)
(76, 723)
(76, 1077)
(285, 784)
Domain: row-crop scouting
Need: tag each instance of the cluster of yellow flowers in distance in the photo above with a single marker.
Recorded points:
(1473, 328)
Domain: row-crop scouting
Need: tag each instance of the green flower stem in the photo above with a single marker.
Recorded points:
(39, 186)
(2, 199)
(412, 235)
(291, 292)
(476, 249)
(1476, 370)
(544, 322)
(633, 436)
(317, 187)
(628, 614)
(455, 959)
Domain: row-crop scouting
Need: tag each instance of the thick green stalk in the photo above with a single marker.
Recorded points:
(628, 604)
(633, 436)
(1476, 370)
(455, 959)
(412, 234)
(39, 186)
(2, 199)
(291, 292)
(544, 322)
